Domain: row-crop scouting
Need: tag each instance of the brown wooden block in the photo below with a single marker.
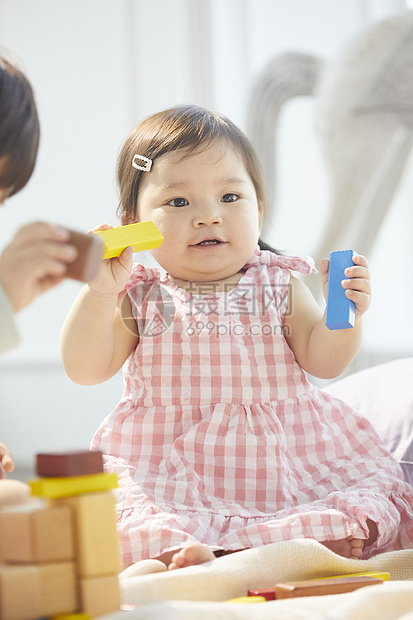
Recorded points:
(68, 464)
(319, 587)
(89, 258)
(19, 593)
(33, 535)
(97, 543)
(58, 588)
(99, 595)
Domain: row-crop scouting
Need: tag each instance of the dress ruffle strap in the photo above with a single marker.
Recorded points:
(303, 264)
(141, 273)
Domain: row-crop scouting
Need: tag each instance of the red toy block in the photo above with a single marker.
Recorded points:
(68, 464)
(267, 593)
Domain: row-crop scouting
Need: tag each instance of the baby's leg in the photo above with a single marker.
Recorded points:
(194, 553)
(346, 547)
(353, 547)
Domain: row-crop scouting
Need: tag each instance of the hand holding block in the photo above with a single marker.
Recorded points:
(340, 312)
(319, 587)
(142, 236)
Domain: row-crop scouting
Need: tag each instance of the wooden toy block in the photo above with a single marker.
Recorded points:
(57, 588)
(319, 587)
(267, 593)
(69, 464)
(99, 595)
(19, 593)
(89, 257)
(340, 313)
(97, 543)
(66, 487)
(32, 535)
(142, 235)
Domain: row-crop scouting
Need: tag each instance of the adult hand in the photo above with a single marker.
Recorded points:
(35, 261)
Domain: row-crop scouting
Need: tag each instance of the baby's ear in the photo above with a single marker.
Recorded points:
(126, 218)
(260, 216)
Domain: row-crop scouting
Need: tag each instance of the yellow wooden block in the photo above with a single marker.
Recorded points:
(247, 599)
(33, 535)
(97, 542)
(99, 595)
(65, 487)
(372, 573)
(142, 235)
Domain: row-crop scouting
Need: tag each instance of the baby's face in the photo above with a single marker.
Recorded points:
(205, 205)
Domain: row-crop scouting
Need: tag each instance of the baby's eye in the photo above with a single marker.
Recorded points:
(178, 202)
(229, 197)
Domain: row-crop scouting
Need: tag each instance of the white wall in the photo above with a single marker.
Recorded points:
(97, 67)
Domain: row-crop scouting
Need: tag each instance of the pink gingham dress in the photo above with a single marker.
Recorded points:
(220, 438)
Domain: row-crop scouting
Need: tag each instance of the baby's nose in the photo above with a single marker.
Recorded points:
(207, 217)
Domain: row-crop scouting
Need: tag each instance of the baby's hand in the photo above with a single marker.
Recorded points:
(6, 461)
(114, 272)
(358, 286)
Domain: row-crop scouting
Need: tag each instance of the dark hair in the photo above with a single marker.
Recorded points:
(181, 127)
(19, 127)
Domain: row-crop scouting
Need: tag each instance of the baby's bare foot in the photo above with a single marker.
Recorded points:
(346, 547)
(192, 554)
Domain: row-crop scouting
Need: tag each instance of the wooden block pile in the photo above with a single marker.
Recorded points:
(62, 557)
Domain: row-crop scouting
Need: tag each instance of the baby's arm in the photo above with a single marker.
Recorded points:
(95, 341)
(321, 352)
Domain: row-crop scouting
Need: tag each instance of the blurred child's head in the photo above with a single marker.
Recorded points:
(189, 128)
(19, 128)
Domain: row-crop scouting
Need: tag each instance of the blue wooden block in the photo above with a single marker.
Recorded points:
(340, 309)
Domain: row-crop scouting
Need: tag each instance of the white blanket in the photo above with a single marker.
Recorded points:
(187, 594)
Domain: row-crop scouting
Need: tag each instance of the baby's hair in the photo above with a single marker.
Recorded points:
(182, 127)
(19, 126)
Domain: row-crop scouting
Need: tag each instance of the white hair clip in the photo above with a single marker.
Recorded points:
(145, 163)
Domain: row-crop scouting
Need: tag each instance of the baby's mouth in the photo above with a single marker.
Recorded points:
(209, 242)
